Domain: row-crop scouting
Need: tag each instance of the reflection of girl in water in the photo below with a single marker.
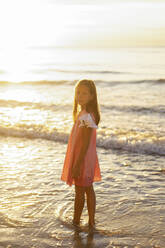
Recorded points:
(81, 165)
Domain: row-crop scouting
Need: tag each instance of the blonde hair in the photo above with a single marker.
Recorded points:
(92, 106)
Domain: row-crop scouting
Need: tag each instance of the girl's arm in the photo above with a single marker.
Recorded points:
(86, 136)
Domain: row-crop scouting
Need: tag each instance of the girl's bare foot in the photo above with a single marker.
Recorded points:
(91, 225)
(75, 223)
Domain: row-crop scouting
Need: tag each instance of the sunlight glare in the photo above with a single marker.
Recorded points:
(15, 155)
(28, 24)
(39, 23)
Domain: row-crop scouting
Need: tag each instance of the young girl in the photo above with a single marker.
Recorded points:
(81, 165)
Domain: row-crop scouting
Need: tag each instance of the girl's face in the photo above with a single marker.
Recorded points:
(83, 95)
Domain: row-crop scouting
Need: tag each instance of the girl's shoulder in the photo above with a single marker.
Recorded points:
(87, 120)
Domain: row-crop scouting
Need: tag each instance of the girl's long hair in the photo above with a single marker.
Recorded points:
(92, 106)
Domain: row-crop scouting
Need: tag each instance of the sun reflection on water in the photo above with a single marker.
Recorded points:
(16, 154)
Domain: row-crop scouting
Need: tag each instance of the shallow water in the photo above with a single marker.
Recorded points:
(37, 207)
(35, 121)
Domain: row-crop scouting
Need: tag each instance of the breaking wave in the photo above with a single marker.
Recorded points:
(142, 144)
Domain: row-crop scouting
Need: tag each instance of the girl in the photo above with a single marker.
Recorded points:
(81, 165)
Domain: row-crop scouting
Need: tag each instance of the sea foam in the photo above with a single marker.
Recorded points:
(141, 145)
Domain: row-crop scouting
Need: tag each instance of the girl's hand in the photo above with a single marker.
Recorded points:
(75, 172)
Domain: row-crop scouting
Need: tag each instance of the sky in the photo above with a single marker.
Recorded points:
(81, 23)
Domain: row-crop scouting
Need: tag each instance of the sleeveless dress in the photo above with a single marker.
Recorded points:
(90, 168)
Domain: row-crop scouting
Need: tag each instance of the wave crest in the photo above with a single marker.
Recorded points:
(99, 82)
(142, 145)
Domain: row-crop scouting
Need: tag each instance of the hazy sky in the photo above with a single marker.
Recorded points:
(82, 23)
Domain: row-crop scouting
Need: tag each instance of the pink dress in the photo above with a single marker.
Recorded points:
(90, 169)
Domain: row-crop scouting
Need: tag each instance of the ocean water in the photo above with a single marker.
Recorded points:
(35, 122)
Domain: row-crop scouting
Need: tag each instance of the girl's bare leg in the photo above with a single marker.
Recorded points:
(78, 204)
(91, 204)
